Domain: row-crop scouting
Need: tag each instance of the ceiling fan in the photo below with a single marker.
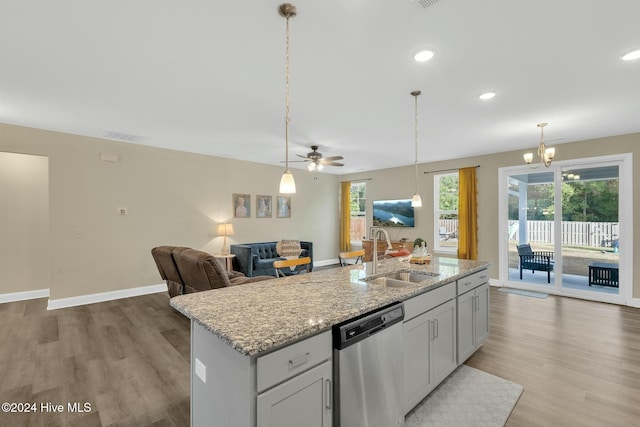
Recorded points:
(317, 161)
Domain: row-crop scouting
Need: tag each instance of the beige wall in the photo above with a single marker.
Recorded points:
(399, 183)
(172, 197)
(24, 222)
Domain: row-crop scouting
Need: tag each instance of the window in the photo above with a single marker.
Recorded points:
(446, 212)
(358, 211)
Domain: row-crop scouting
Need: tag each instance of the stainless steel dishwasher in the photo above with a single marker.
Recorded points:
(369, 370)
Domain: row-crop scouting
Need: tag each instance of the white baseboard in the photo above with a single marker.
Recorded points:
(22, 296)
(55, 304)
(325, 262)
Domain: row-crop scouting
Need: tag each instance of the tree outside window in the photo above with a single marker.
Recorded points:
(358, 211)
(446, 212)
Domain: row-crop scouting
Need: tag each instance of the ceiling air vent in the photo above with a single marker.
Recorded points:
(427, 3)
(121, 136)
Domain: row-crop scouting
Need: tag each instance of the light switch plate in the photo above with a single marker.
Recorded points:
(201, 371)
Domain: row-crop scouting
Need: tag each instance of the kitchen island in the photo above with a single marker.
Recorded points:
(255, 345)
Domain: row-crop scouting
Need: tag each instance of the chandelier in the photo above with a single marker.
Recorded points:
(546, 153)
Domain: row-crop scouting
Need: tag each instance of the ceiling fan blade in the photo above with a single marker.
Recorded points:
(332, 158)
(294, 161)
(304, 157)
(333, 164)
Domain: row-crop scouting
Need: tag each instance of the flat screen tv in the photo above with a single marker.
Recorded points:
(393, 213)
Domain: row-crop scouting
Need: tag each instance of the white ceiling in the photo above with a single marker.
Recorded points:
(208, 76)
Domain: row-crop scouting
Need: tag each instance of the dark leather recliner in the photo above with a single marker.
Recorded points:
(164, 258)
(189, 270)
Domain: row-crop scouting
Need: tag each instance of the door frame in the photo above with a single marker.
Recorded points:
(625, 290)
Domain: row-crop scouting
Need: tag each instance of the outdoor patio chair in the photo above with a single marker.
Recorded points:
(535, 261)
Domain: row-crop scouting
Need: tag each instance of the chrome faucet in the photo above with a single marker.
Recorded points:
(374, 233)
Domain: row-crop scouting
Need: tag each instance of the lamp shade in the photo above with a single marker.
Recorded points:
(287, 184)
(225, 229)
(416, 201)
(528, 158)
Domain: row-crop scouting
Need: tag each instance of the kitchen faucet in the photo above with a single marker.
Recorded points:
(374, 233)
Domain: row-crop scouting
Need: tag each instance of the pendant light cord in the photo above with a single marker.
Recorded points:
(286, 98)
(415, 96)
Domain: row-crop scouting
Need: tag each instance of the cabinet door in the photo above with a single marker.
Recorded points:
(443, 351)
(304, 400)
(482, 314)
(466, 342)
(417, 350)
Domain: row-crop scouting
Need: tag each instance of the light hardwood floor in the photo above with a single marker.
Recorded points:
(579, 361)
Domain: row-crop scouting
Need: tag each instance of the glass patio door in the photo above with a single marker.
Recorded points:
(563, 228)
(590, 229)
(531, 231)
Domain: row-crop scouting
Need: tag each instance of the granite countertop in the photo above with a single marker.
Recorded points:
(260, 316)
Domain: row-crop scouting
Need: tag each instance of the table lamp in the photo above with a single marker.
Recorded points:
(225, 230)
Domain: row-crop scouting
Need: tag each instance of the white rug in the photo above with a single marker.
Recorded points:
(467, 398)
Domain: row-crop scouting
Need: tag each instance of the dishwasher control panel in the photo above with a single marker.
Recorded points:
(368, 324)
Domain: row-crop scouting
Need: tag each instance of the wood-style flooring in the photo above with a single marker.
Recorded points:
(128, 358)
(579, 361)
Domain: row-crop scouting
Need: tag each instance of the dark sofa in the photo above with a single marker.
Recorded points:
(256, 259)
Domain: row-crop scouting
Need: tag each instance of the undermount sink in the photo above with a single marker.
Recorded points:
(402, 279)
(389, 282)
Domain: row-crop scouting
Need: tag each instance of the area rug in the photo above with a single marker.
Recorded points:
(524, 293)
(468, 397)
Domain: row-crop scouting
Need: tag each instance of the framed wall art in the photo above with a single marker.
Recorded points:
(284, 207)
(241, 206)
(263, 206)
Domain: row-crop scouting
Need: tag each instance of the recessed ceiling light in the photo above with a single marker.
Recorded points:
(423, 55)
(487, 95)
(631, 55)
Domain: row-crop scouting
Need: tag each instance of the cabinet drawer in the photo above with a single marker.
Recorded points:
(282, 364)
(424, 302)
(472, 281)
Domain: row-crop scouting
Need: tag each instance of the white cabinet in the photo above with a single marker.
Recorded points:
(429, 345)
(291, 386)
(473, 314)
(304, 400)
(295, 384)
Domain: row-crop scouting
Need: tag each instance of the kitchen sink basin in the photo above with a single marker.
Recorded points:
(390, 283)
(402, 279)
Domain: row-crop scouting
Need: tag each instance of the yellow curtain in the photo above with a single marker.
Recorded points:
(345, 216)
(467, 214)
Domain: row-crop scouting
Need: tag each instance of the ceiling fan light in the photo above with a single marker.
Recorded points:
(311, 167)
(287, 184)
(416, 201)
(320, 166)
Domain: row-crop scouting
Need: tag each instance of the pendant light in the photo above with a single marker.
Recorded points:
(416, 200)
(287, 184)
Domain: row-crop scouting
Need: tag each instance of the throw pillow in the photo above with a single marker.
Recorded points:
(288, 248)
